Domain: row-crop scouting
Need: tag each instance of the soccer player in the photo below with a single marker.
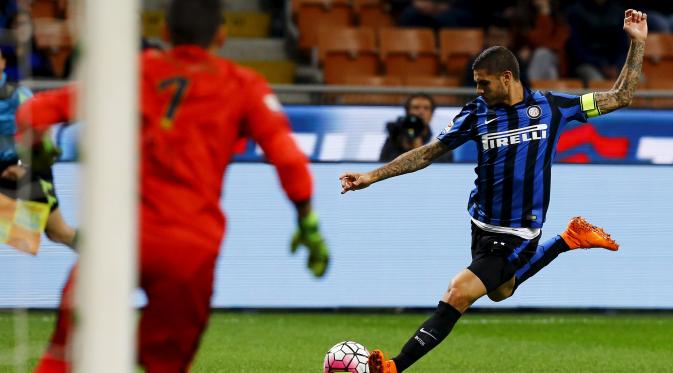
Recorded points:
(517, 131)
(195, 108)
(36, 181)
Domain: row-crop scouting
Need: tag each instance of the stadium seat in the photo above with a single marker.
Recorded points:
(457, 47)
(346, 52)
(560, 84)
(372, 98)
(658, 60)
(436, 82)
(408, 51)
(45, 9)
(312, 15)
(601, 85)
(373, 13)
(658, 84)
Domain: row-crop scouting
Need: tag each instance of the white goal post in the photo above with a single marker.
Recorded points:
(108, 107)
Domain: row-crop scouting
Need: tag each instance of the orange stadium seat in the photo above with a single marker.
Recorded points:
(44, 9)
(457, 47)
(312, 15)
(372, 98)
(408, 51)
(658, 60)
(560, 84)
(659, 84)
(346, 52)
(436, 82)
(601, 85)
(373, 13)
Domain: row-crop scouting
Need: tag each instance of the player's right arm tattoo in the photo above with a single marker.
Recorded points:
(621, 93)
(410, 161)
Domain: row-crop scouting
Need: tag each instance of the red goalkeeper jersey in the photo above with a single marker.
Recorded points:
(195, 108)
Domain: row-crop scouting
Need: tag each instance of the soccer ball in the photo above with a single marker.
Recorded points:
(347, 356)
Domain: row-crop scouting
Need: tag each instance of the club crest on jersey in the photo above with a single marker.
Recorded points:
(534, 112)
(512, 137)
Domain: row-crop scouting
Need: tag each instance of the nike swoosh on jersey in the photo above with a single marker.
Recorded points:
(489, 121)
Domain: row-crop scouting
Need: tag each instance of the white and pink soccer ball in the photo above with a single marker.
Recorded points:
(347, 356)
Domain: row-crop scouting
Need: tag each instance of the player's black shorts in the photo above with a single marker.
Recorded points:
(496, 257)
(35, 186)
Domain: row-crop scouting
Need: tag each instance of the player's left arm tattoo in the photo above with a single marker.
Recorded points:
(621, 93)
(410, 161)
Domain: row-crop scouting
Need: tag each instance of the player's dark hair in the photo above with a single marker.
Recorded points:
(496, 60)
(194, 22)
(407, 102)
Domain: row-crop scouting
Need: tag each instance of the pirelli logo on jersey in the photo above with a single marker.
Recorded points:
(511, 137)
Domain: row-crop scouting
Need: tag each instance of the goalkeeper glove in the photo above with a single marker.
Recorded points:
(308, 235)
(41, 156)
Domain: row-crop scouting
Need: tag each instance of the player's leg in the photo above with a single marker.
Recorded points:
(56, 359)
(59, 231)
(178, 283)
(464, 290)
(580, 234)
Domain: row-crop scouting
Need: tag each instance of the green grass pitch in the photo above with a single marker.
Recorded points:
(296, 342)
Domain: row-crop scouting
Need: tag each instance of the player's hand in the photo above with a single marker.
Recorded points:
(308, 235)
(354, 181)
(41, 156)
(635, 24)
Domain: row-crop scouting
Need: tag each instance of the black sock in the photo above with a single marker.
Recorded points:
(430, 334)
(544, 255)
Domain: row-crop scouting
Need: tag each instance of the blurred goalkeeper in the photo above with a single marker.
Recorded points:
(516, 130)
(195, 109)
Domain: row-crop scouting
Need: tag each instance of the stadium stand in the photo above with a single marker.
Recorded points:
(408, 51)
(311, 15)
(372, 98)
(456, 48)
(373, 13)
(560, 84)
(346, 52)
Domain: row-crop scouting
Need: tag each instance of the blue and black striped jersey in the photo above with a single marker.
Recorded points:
(516, 147)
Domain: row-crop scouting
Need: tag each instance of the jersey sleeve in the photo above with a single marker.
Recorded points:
(460, 129)
(268, 126)
(46, 109)
(573, 107)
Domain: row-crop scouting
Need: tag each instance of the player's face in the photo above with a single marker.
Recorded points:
(491, 87)
(422, 108)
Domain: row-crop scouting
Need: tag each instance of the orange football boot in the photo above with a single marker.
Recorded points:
(581, 234)
(378, 363)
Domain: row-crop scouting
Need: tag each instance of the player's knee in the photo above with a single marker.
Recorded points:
(459, 296)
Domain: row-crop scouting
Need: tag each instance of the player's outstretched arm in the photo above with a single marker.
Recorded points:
(621, 94)
(410, 161)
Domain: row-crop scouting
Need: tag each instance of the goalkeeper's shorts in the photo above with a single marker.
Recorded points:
(34, 186)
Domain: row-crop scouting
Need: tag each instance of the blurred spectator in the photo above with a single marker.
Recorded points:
(437, 14)
(23, 58)
(498, 32)
(541, 32)
(597, 46)
(411, 130)
(8, 9)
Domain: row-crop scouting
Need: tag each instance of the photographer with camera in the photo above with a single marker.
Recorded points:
(411, 130)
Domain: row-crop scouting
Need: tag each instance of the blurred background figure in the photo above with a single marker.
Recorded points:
(437, 14)
(411, 130)
(540, 34)
(597, 46)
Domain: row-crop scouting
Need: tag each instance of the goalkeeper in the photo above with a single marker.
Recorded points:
(195, 109)
(33, 179)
